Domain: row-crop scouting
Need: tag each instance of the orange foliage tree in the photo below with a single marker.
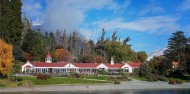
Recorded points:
(62, 55)
(6, 57)
(27, 56)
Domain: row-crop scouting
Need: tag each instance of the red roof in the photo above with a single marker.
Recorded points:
(86, 65)
(48, 55)
(27, 66)
(134, 64)
(114, 65)
(43, 64)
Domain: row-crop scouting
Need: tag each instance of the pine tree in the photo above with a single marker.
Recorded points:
(176, 52)
(52, 42)
(64, 40)
(5, 20)
(176, 47)
(16, 24)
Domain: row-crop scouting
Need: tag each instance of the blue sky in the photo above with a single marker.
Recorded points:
(149, 23)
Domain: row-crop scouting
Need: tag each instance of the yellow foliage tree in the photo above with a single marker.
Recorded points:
(6, 57)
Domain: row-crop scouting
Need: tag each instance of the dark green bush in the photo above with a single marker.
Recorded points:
(19, 79)
(16, 78)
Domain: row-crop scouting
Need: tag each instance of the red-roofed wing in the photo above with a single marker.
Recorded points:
(114, 65)
(86, 65)
(134, 64)
(43, 64)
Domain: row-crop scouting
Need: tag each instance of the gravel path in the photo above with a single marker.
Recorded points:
(135, 84)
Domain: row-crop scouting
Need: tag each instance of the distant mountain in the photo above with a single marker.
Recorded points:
(37, 26)
(156, 53)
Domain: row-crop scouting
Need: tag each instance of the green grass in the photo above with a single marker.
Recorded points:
(95, 77)
(61, 80)
(7, 83)
(140, 78)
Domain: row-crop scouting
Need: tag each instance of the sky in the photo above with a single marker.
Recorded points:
(149, 23)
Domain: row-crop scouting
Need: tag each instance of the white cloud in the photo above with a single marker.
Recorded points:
(32, 10)
(144, 24)
(185, 6)
(152, 10)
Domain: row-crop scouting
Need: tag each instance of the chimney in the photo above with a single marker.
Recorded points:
(112, 61)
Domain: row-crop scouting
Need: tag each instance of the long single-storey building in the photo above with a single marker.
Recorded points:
(64, 67)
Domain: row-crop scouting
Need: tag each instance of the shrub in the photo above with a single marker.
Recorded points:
(110, 78)
(179, 81)
(43, 76)
(175, 82)
(19, 84)
(172, 82)
(14, 78)
(162, 78)
(116, 82)
(75, 75)
(19, 79)
(152, 78)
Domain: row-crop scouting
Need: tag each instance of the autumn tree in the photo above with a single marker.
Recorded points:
(142, 56)
(6, 57)
(62, 55)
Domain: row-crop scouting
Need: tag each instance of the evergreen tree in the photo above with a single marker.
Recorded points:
(16, 24)
(176, 51)
(176, 47)
(5, 13)
(64, 40)
(75, 43)
(52, 42)
(70, 42)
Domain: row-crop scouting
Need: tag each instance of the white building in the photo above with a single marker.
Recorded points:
(64, 67)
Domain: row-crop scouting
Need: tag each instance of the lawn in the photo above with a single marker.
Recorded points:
(62, 80)
(7, 83)
(140, 78)
(51, 81)
(95, 77)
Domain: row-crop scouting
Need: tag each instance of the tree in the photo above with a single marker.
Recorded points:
(52, 42)
(176, 49)
(145, 70)
(87, 58)
(114, 37)
(5, 13)
(125, 42)
(62, 55)
(17, 53)
(64, 39)
(16, 24)
(25, 30)
(142, 56)
(6, 57)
